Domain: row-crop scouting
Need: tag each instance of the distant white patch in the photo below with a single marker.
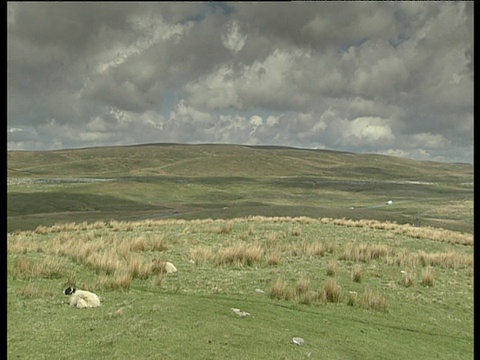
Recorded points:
(239, 312)
(14, 129)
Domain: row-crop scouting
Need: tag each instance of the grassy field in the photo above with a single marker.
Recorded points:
(350, 289)
(304, 241)
(228, 181)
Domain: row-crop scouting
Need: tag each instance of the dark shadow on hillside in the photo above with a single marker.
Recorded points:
(52, 202)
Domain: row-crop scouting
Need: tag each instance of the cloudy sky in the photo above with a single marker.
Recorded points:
(380, 77)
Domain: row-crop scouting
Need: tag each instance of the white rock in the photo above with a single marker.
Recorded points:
(298, 341)
(240, 313)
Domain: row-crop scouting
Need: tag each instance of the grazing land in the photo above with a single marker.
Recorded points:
(228, 181)
(349, 289)
(362, 256)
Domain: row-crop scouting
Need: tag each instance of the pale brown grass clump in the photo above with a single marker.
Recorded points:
(157, 266)
(407, 279)
(22, 268)
(303, 295)
(428, 278)
(352, 298)
(30, 291)
(450, 259)
(357, 273)
(121, 280)
(241, 254)
(436, 234)
(138, 268)
(332, 268)
(308, 249)
(200, 255)
(332, 292)
(365, 252)
(225, 229)
(158, 280)
(49, 267)
(302, 286)
(272, 239)
(106, 262)
(42, 230)
(280, 290)
(373, 301)
(273, 259)
(296, 231)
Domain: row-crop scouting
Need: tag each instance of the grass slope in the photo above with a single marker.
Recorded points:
(229, 181)
(297, 277)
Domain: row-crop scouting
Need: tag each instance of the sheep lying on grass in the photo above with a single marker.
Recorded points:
(82, 298)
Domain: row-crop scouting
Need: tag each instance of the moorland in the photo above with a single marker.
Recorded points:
(362, 256)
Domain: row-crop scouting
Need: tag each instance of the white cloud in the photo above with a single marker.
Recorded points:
(429, 141)
(367, 131)
(354, 76)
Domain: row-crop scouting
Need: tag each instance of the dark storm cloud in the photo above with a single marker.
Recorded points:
(389, 77)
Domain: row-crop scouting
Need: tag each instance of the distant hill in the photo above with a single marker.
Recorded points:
(215, 180)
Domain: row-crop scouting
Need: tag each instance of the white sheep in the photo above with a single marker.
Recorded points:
(82, 298)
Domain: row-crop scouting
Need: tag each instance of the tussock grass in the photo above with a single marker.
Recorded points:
(30, 291)
(352, 298)
(303, 294)
(49, 267)
(113, 261)
(435, 234)
(200, 255)
(296, 231)
(365, 252)
(407, 279)
(357, 274)
(281, 290)
(332, 267)
(121, 280)
(428, 278)
(331, 291)
(373, 301)
(224, 229)
(240, 254)
(309, 249)
(273, 259)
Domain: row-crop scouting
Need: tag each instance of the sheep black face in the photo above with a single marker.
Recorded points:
(69, 291)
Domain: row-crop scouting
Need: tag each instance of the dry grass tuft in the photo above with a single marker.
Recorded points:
(407, 279)
(273, 259)
(48, 268)
(302, 287)
(122, 280)
(332, 292)
(30, 291)
(200, 255)
(373, 301)
(225, 229)
(280, 290)
(241, 254)
(352, 298)
(332, 268)
(428, 278)
(357, 273)
(296, 231)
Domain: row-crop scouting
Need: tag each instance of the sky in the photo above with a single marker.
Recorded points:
(393, 78)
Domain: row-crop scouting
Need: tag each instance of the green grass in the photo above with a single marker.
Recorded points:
(277, 232)
(228, 181)
(188, 314)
